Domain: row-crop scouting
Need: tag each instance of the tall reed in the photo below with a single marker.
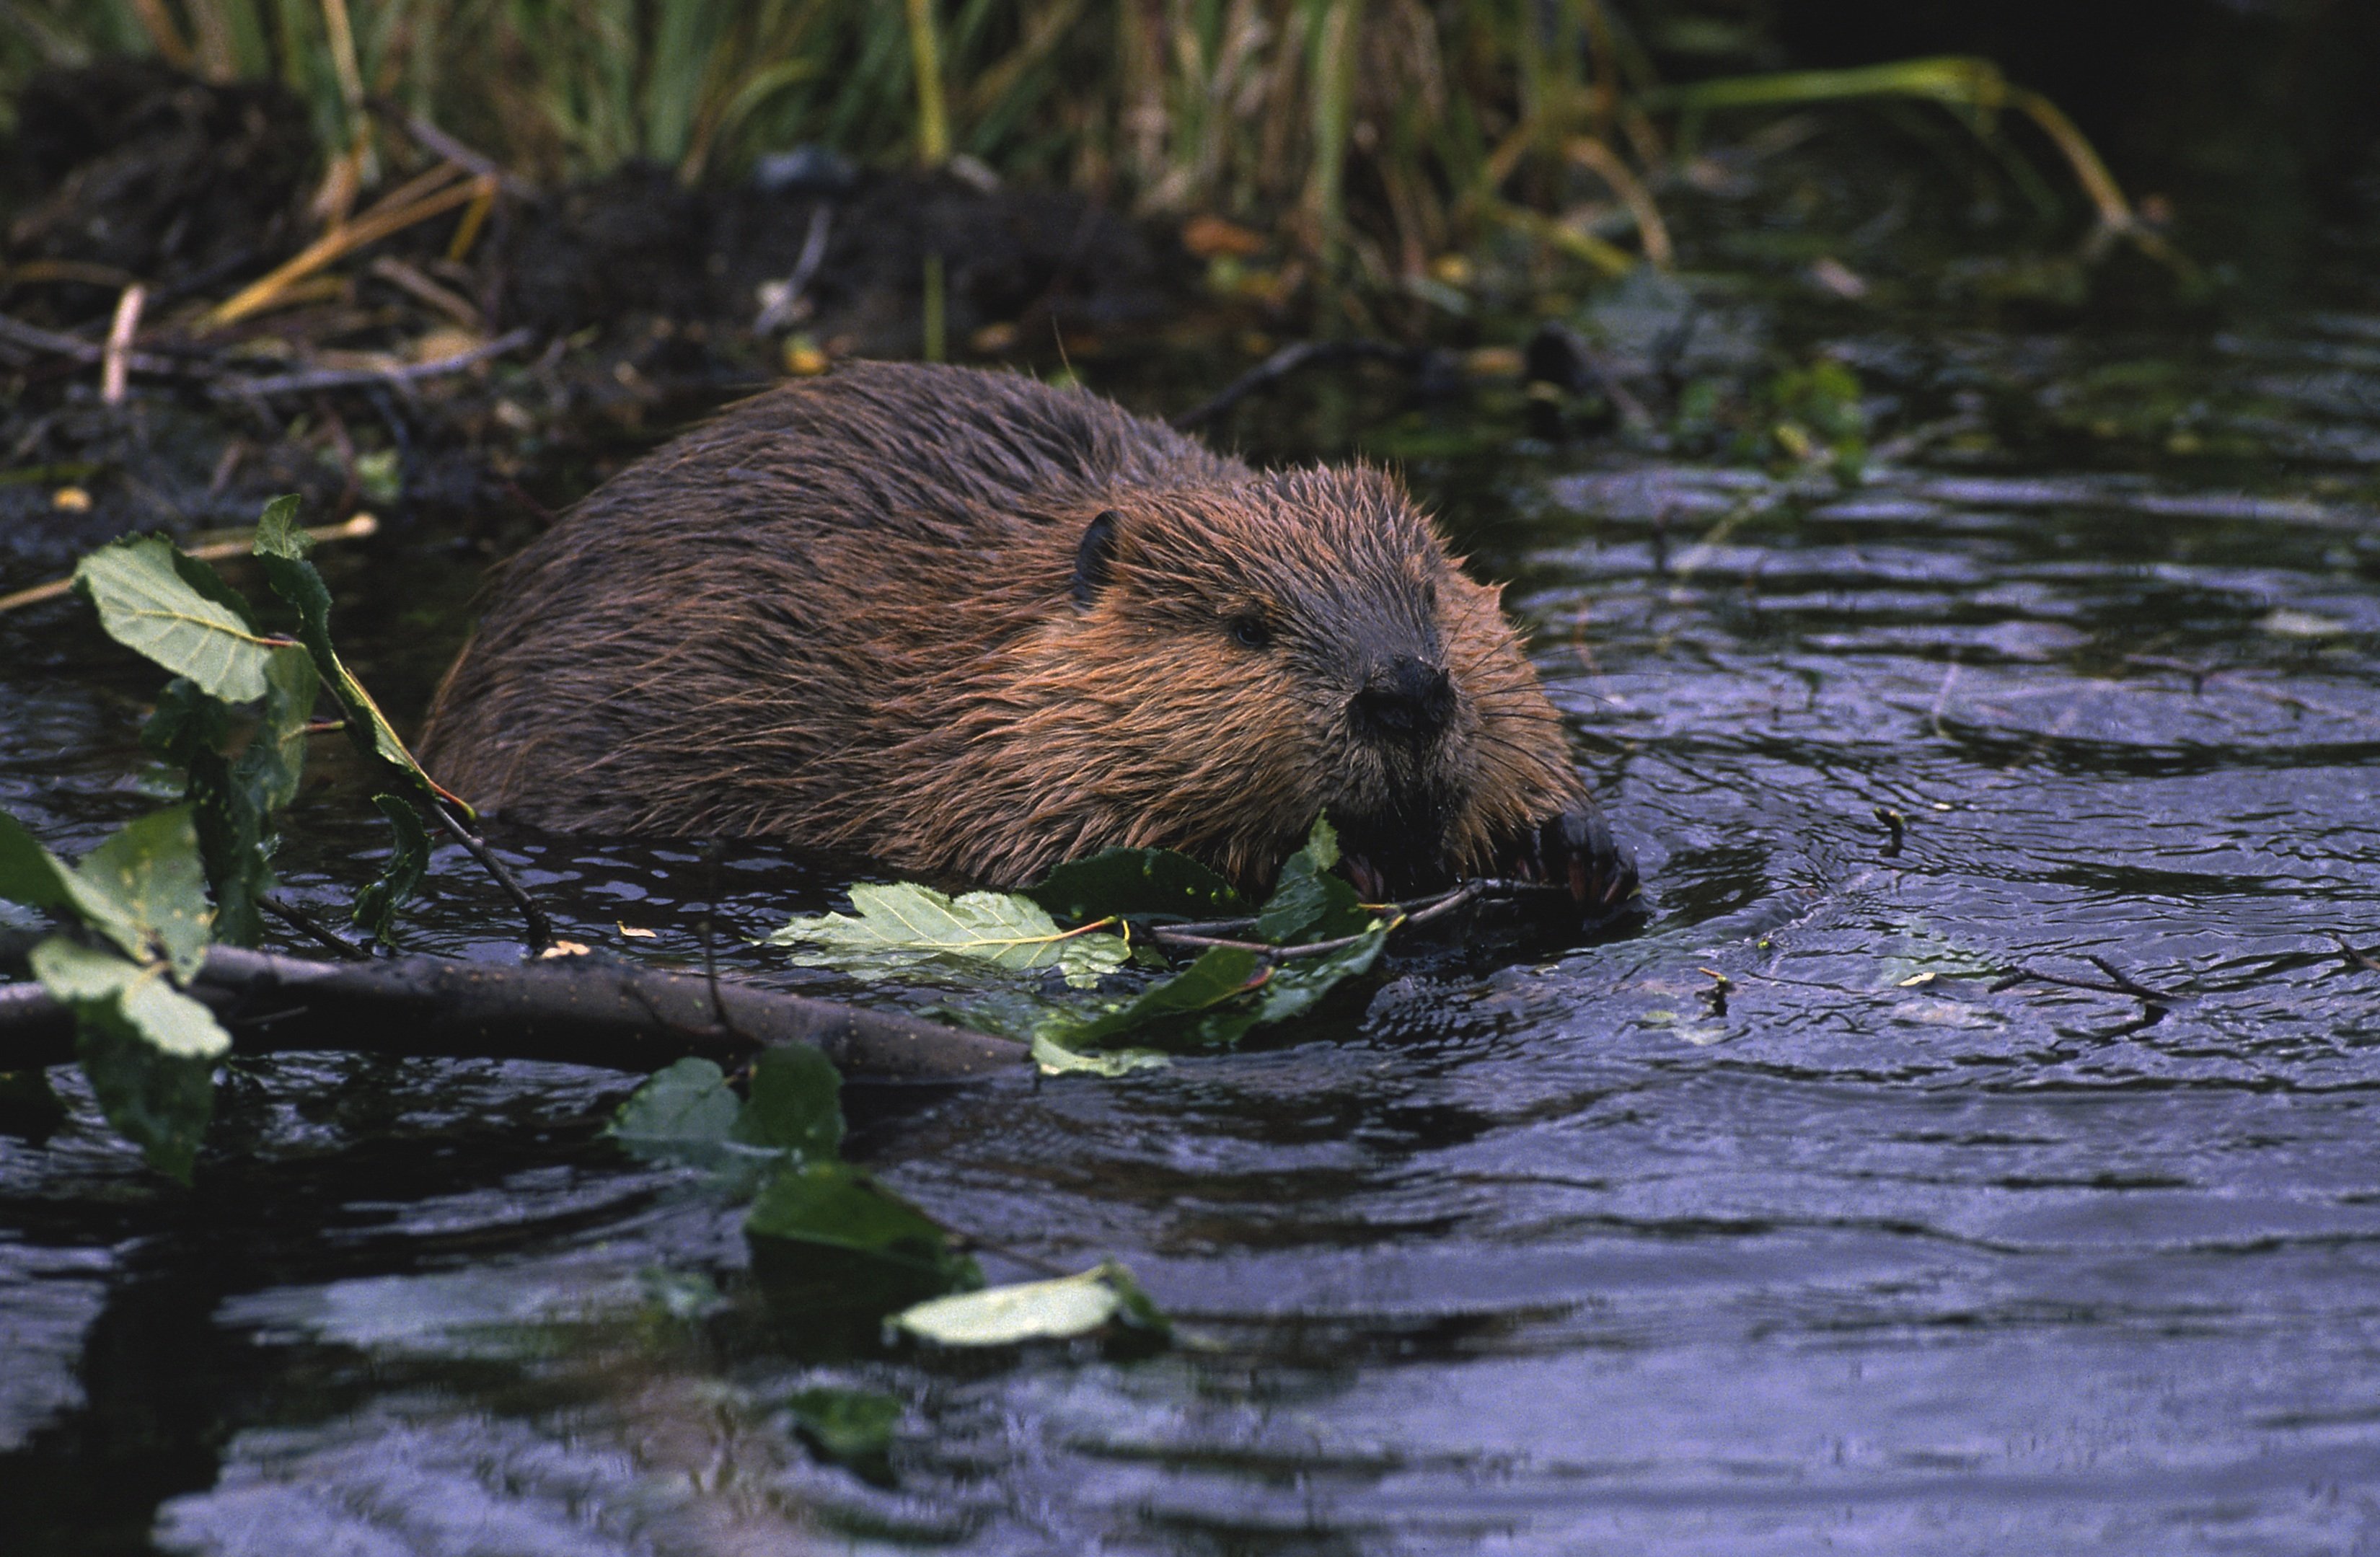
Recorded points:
(1371, 136)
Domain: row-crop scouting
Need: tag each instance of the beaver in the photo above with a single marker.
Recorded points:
(971, 624)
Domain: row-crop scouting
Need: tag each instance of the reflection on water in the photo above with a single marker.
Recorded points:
(2014, 1193)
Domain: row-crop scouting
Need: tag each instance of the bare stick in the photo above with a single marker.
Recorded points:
(38, 339)
(354, 528)
(364, 377)
(120, 331)
(574, 1010)
(313, 928)
(1265, 948)
(2118, 983)
(540, 929)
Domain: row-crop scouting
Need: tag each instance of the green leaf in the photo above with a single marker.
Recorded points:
(187, 720)
(275, 757)
(1310, 904)
(685, 1112)
(144, 592)
(830, 1223)
(1156, 884)
(194, 730)
(376, 906)
(155, 888)
(795, 1104)
(1056, 1060)
(1052, 1310)
(1220, 974)
(149, 1050)
(1003, 1316)
(281, 548)
(169, 1020)
(31, 875)
(143, 889)
(904, 927)
(847, 1427)
(1297, 985)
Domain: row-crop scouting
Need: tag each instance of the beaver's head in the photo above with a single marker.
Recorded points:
(1227, 662)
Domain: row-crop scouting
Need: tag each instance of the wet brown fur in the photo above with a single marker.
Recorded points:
(845, 614)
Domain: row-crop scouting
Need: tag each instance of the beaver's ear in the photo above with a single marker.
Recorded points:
(1095, 558)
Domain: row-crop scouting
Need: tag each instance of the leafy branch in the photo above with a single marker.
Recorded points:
(1248, 969)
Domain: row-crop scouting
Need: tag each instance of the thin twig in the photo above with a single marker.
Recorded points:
(2366, 960)
(120, 331)
(540, 929)
(364, 377)
(784, 306)
(354, 528)
(438, 142)
(2119, 983)
(38, 339)
(1279, 953)
(313, 929)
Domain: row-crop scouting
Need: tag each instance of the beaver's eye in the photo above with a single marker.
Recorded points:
(1250, 632)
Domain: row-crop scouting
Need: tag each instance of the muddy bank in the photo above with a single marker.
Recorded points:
(623, 304)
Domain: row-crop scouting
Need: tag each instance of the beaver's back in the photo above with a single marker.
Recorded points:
(771, 587)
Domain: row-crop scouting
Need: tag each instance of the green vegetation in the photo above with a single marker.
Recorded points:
(137, 914)
(1374, 143)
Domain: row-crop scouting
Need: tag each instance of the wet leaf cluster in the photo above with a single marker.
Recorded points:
(1226, 989)
(826, 1236)
(144, 905)
(149, 1050)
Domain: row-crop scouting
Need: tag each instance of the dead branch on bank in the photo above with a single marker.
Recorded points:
(576, 1010)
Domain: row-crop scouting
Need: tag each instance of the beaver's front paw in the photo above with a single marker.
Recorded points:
(1576, 852)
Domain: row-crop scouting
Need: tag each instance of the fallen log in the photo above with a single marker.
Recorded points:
(579, 1010)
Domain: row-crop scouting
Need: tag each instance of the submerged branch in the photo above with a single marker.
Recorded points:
(540, 929)
(575, 1010)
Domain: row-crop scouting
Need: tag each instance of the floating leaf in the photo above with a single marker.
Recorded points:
(1220, 974)
(1297, 985)
(1310, 904)
(684, 1113)
(833, 1231)
(1052, 1310)
(409, 860)
(903, 927)
(850, 1428)
(795, 1105)
(281, 548)
(683, 1296)
(1056, 1060)
(146, 600)
(149, 1050)
(1156, 884)
(1003, 1316)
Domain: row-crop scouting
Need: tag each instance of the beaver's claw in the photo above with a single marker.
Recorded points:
(1575, 851)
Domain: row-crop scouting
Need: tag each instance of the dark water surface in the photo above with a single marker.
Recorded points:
(1880, 1253)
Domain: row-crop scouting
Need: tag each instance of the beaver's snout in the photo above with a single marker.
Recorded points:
(1406, 702)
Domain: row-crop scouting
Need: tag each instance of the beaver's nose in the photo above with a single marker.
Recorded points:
(1406, 700)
